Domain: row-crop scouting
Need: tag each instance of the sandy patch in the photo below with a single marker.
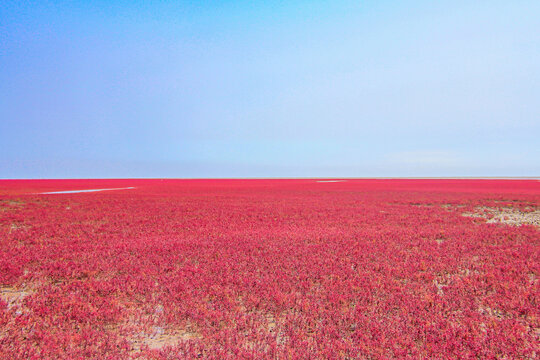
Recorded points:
(161, 337)
(10, 205)
(508, 216)
(146, 331)
(14, 296)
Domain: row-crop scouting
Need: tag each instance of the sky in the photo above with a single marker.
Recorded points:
(183, 89)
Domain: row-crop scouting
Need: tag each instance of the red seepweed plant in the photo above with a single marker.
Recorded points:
(269, 269)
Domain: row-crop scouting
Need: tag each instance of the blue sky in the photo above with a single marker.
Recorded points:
(269, 89)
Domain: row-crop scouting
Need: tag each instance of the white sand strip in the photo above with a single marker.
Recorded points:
(83, 191)
(323, 181)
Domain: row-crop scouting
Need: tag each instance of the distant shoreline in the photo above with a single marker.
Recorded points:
(297, 178)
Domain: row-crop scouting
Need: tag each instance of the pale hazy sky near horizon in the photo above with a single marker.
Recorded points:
(269, 89)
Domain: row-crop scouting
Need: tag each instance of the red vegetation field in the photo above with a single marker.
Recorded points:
(256, 269)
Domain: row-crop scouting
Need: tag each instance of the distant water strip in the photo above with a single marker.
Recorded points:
(331, 180)
(83, 191)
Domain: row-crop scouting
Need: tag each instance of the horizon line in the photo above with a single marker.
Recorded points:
(300, 178)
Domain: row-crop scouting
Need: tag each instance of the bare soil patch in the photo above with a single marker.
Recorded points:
(14, 296)
(10, 205)
(146, 331)
(161, 337)
(508, 216)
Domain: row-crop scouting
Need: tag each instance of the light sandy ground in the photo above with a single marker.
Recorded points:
(161, 337)
(14, 296)
(509, 216)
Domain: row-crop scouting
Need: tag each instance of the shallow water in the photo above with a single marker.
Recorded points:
(323, 181)
(84, 191)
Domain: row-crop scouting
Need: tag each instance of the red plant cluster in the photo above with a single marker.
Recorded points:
(267, 269)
